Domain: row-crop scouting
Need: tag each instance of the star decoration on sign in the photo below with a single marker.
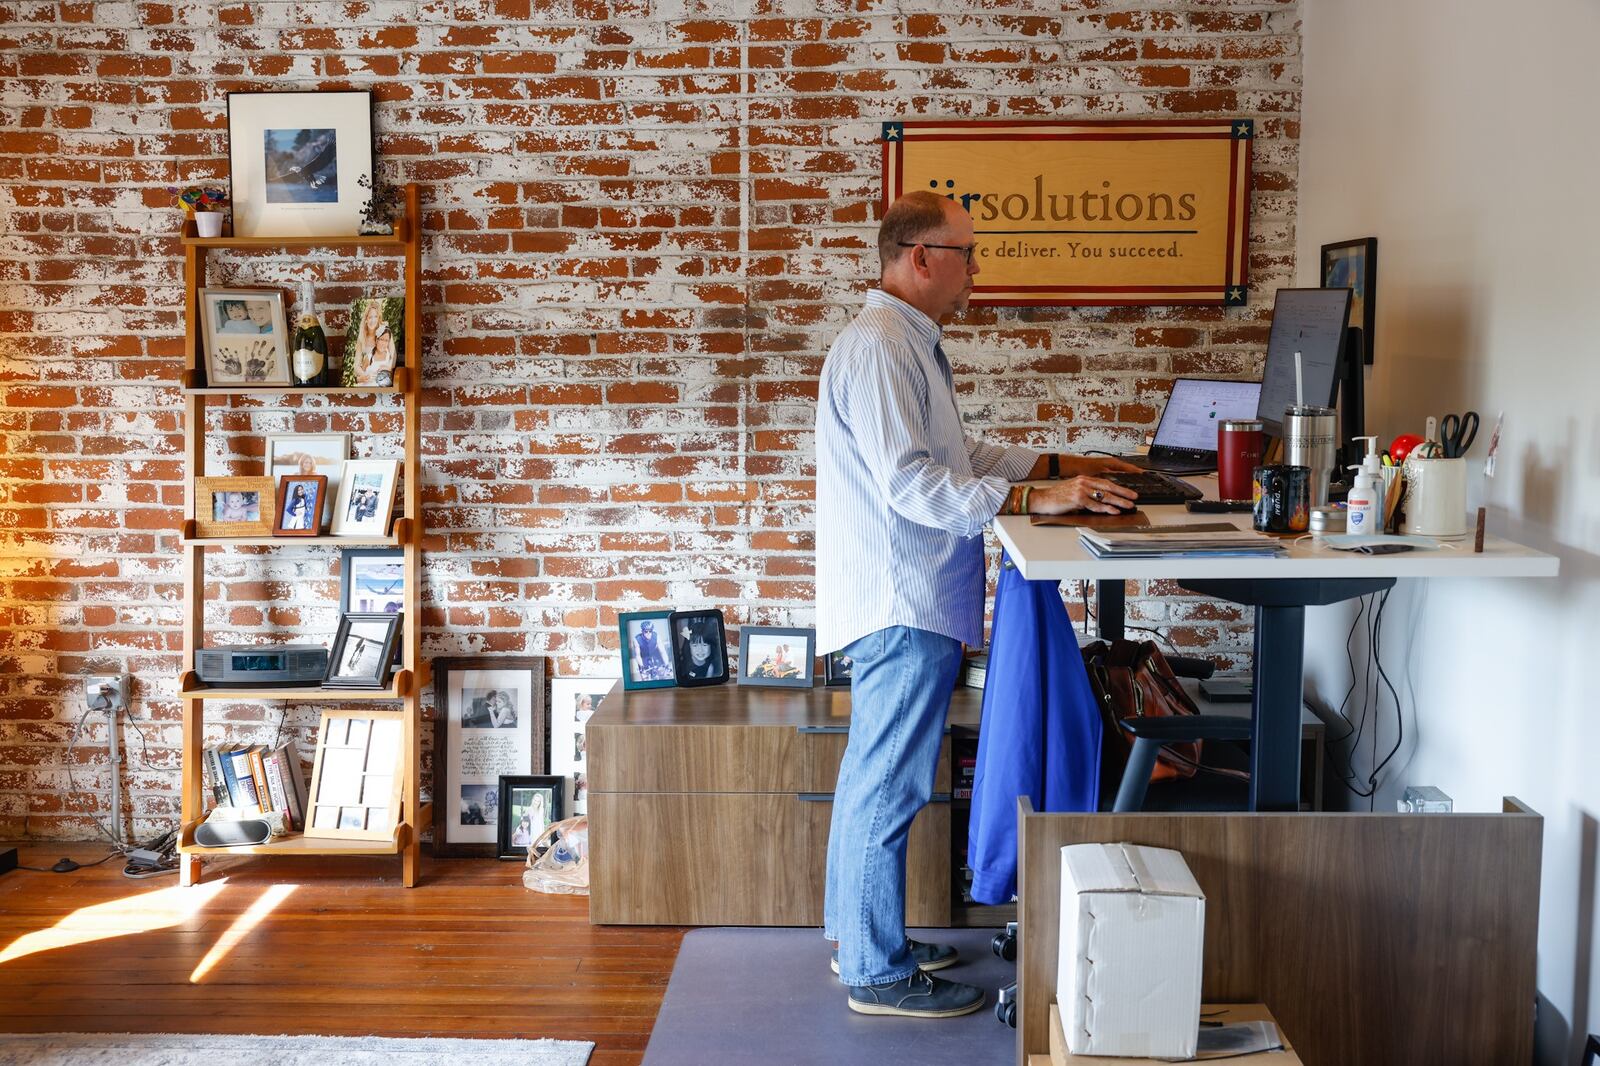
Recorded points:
(893, 131)
(1243, 130)
(1235, 297)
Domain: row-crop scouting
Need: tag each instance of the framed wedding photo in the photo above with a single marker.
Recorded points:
(489, 723)
(366, 497)
(375, 342)
(307, 454)
(777, 656)
(246, 335)
(1353, 265)
(372, 580)
(233, 506)
(646, 650)
(699, 648)
(300, 502)
(362, 651)
(528, 803)
(297, 162)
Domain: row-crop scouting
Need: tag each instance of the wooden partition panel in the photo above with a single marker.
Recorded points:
(1373, 938)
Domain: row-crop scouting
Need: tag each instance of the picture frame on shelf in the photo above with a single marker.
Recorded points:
(234, 506)
(366, 497)
(1353, 265)
(372, 580)
(528, 803)
(573, 701)
(246, 336)
(301, 499)
(297, 161)
(374, 342)
(362, 652)
(777, 656)
(358, 776)
(306, 454)
(699, 648)
(837, 668)
(646, 650)
(475, 745)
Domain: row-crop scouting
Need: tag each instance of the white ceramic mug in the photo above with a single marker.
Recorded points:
(208, 223)
(1436, 497)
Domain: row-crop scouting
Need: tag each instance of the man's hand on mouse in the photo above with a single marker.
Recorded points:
(1083, 493)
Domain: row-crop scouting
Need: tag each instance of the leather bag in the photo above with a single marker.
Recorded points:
(1131, 678)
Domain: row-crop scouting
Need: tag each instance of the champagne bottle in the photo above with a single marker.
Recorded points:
(309, 361)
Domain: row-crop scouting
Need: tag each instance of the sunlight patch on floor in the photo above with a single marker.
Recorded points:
(264, 905)
(142, 913)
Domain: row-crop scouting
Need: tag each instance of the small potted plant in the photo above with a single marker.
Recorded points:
(201, 203)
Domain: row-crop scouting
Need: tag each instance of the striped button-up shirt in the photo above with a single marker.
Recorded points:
(902, 493)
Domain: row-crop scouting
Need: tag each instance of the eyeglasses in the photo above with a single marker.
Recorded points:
(965, 249)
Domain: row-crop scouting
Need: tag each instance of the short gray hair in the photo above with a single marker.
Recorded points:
(908, 220)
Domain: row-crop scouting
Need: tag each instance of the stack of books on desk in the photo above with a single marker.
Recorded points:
(1166, 542)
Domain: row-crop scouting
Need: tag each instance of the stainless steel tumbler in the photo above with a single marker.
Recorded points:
(1310, 439)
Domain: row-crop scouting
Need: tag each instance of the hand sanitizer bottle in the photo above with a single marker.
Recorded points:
(1365, 502)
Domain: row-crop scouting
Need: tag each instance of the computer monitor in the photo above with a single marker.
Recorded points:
(1311, 322)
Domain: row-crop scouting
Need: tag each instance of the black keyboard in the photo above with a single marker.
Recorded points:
(1154, 487)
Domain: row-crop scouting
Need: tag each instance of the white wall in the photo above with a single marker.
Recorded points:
(1462, 134)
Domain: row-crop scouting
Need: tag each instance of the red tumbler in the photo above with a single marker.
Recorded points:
(1239, 443)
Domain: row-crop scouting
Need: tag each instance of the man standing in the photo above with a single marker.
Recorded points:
(902, 500)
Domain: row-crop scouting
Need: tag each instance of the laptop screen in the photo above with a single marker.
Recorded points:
(1197, 405)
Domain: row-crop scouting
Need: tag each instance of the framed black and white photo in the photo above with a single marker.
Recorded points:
(836, 668)
(777, 656)
(299, 162)
(646, 650)
(573, 701)
(362, 651)
(366, 497)
(246, 335)
(527, 804)
(699, 647)
(306, 454)
(1353, 265)
(372, 580)
(489, 723)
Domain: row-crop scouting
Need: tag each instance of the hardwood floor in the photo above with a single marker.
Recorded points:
(334, 948)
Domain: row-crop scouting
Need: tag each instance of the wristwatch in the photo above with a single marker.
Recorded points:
(1053, 461)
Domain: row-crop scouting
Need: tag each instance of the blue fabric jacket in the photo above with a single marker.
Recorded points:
(1040, 734)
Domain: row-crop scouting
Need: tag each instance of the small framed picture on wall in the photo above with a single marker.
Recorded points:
(1353, 265)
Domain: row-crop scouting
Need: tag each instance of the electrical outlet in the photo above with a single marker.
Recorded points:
(106, 692)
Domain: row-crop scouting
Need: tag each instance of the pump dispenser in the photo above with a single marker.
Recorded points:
(1365, 502)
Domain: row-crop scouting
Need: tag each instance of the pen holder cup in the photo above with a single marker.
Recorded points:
(1436, 498)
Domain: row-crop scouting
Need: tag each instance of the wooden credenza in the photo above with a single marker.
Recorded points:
(711, 806)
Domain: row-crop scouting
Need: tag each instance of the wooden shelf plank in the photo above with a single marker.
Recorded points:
(191, 387)
(191, 687)
(397, 538)
(395, 241)
(300, 844)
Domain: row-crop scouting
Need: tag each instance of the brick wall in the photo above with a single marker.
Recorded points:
(645, 220)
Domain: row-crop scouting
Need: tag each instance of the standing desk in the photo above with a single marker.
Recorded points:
(1279, 590)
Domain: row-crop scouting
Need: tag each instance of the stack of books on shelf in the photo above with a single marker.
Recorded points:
(251, 778)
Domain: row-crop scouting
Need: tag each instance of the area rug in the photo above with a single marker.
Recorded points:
(767, 996)
(181, 1049)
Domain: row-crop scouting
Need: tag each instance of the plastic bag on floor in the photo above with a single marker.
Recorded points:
(558, 861)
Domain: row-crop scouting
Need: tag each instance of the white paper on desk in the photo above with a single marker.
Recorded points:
(1235, 1039)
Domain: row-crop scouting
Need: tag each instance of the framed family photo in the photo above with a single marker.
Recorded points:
(647, 660)
(357, 777)
(246, 336)
(777, 656)
(307, 454)
(372, 580)
(375, 342)
(489, 723)
(300, 501)
(1353, 265)
(528, 803)
(298, 162)
(362, 651)
(233, 506)
(837, 668)
(573, 701)
(699, 648)
(366, 497)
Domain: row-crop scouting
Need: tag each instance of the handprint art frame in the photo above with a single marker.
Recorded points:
(246, 334)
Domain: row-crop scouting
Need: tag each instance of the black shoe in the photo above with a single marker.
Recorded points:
(928, 957)
(918, 996)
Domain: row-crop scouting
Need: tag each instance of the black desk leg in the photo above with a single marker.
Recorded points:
(1275, 754)
(1111, 600)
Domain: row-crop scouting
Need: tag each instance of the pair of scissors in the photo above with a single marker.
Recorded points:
(1457, 432)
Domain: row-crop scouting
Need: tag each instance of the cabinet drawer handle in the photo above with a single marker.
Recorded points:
(822, 729)
(814, 797)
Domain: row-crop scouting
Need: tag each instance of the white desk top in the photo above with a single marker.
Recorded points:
(1055, 553)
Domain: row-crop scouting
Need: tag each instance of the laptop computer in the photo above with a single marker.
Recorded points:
(1186, 437)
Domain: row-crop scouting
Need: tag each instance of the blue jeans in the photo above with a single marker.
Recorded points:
(900, 689)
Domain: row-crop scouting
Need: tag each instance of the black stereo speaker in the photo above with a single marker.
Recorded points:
(232, 834)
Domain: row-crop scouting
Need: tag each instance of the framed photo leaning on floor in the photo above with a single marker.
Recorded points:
(528, 803)
(489, 722)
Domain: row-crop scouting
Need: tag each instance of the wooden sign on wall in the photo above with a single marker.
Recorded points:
(1090, 213)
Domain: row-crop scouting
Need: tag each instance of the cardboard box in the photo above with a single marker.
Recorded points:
(1133, 925)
